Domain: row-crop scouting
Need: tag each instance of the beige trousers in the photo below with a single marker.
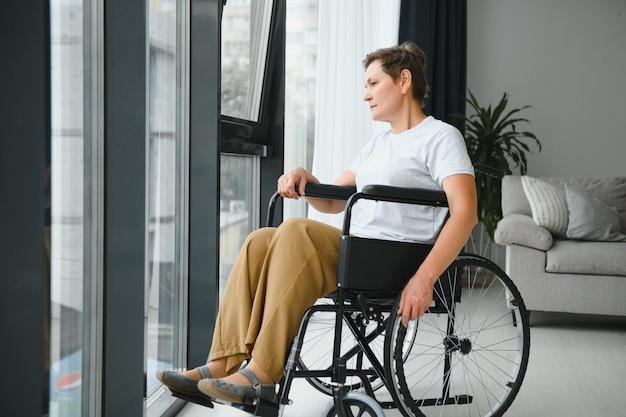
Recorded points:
(277, 275)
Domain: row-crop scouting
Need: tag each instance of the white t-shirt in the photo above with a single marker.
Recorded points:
(420, 157)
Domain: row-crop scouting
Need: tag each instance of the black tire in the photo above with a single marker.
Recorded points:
(356, 405)
(471, 351)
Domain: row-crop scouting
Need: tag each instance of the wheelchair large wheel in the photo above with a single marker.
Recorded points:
(317, 348)
(471, 350)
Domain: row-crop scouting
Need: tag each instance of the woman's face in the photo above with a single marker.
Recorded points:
(382, 93)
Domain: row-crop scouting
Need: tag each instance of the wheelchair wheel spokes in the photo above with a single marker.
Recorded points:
(470, 352)
(316, 353)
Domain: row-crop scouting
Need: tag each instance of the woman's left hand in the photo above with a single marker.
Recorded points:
(415, 299)
(417, 296)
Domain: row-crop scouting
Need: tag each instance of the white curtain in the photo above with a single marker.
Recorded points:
(347, 31)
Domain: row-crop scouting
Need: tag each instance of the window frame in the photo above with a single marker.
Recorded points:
(25, 109)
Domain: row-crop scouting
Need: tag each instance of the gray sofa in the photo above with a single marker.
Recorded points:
(566, 264)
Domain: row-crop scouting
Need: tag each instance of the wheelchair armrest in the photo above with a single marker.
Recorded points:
(405, 195)
(333, 192)
(488, 170)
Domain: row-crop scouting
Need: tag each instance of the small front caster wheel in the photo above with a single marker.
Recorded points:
(356, 404)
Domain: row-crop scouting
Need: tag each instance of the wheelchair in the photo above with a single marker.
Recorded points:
(466, 356)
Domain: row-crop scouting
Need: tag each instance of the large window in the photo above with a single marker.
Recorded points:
(74, 231)
(166, 154)
(131, 245)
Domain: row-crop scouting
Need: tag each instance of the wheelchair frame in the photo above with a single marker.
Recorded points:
(359, 302)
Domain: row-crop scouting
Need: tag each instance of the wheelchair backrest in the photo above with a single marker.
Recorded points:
(378, 265)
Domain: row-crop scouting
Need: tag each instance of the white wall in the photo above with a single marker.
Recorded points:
(565, 58)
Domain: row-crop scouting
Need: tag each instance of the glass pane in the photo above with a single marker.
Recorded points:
(166, 196)
(300, 84)
(239, 198)
(69, 251)
(245, 35)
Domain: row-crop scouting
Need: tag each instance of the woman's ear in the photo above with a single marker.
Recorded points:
(405, 80)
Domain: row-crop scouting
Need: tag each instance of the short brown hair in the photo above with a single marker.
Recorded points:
(408, 56)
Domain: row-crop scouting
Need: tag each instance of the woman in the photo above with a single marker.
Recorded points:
(280, 272)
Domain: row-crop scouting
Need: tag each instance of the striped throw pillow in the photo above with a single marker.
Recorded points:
(548, 205)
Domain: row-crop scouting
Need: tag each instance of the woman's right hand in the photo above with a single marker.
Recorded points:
(296, 177)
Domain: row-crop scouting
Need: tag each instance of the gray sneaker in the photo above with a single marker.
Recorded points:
(178, 382)
(220, 389)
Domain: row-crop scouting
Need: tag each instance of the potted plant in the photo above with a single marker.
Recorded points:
(492, 138)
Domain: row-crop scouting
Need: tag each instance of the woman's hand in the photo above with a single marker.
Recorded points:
(296, 177)
(299, 177)
(418, 293)
(415, 299)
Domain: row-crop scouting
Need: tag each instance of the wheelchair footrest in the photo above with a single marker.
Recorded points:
(196, 399)
(262, 408)
(457, 399)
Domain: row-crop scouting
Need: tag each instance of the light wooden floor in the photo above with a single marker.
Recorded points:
(577, 368)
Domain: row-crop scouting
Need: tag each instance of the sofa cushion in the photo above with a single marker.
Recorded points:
(611, 191)
(520, 229)
(590, 218)
(513, 197)
(548, 205)
(594, 258)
